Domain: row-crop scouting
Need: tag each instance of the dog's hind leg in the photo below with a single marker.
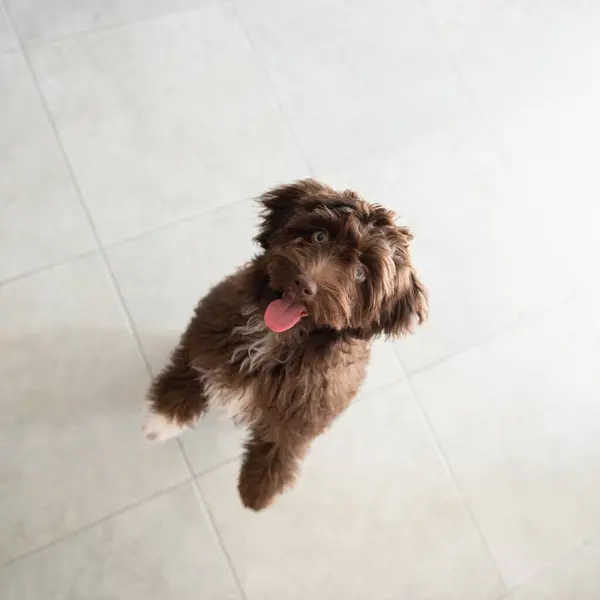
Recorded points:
(268, 468)
(176, 398)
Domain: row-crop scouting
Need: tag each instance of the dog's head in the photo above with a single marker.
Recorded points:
(338, 262)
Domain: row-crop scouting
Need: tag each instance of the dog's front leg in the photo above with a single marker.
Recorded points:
(176, 398)
(268, 468)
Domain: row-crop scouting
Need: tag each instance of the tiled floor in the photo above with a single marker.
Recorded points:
(133, 134)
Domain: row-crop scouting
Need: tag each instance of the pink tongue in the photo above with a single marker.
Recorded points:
(283, 314)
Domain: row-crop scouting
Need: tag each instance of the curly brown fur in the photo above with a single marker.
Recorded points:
(349, 266)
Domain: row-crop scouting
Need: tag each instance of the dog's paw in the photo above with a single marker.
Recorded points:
(256, 499)
(159, 428)
(258, 489)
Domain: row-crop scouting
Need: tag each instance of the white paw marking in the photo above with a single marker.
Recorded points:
(158, 428)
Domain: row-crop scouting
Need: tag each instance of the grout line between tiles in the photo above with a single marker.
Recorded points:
(64, 157)
(506, 328)
(446, 464)
(265, 70)
(37, 270)
(11, 31)
(568, 554)
(118, 24)
(188, 219)
(95, 523)
(455, 65)
(109, 246)
(362, 396)
(219, 465)
(116, 287)
(81, 199)
(438, 444)
(508, 164)
(203, 505)
(131, 506)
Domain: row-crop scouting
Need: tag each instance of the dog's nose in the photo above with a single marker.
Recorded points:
(305, 287)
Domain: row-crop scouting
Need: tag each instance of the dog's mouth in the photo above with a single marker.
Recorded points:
(282, 314)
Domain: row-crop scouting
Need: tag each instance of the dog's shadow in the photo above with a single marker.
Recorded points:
(60, 376)
(83, 390)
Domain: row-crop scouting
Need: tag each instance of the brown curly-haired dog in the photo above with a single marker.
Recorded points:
(283, 343)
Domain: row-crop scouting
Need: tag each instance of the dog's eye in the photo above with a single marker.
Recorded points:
(360, 273)
(320, 237)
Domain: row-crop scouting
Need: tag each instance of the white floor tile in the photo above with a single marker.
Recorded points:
(373, 514)
(40, 19)
(358, 80)
(41, 221)
(543, 111)
(511, 53)
(485, 261)
(576, 577)
(553, 148)
(8, 40)
(532, 69)
(476, 121)
(591, 304)
(71, 390)
(384, 367)
(165, 119)
(161, 549)
(518, 418)
(476, 291)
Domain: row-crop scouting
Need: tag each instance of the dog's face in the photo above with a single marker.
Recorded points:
(338, 262)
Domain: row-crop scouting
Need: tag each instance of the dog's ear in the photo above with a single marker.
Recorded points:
(279, 205)
(397, 315)
(409, 308)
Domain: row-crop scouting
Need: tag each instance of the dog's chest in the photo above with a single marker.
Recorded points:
(232, 402)
(231, 389)
(256, 346)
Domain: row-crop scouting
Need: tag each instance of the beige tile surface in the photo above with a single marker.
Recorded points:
(477, 287)
(71, 389)
(384, 367)
(165, 118)
(385, 81)
(374, 514)
(161, 549)
(518, 418)
(41, 221)
(476, 121)
(577, 577)
(515, 57)
(37, 19)
(532, 68)
(8, 40)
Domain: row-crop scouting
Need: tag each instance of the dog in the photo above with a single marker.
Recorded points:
(284, 342)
